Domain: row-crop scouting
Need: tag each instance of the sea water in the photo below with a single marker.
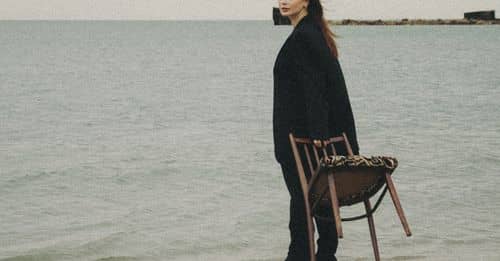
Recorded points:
(153, 140)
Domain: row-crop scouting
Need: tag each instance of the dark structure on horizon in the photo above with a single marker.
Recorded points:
(278, 18)
(480, 15)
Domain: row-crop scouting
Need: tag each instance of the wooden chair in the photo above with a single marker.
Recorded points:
(349, 180)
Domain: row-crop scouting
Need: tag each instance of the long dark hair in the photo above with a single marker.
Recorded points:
(316, 10)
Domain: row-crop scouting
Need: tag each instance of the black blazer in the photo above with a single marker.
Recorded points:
(310, 95)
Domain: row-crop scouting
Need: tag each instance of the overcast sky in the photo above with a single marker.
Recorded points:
(233, 9)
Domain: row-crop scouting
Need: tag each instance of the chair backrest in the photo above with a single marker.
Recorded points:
(304, 149)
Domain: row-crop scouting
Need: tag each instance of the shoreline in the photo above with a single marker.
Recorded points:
(415, 22)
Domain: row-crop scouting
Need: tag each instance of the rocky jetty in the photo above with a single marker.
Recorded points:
(415, 22)
(470, 18)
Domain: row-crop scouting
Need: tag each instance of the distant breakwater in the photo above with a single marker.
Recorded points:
(415, 22)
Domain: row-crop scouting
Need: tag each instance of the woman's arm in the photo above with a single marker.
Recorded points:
(311, 78)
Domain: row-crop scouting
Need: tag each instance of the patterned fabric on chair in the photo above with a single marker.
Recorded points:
(356, 177)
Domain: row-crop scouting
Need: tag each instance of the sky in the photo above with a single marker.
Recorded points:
(232, 9)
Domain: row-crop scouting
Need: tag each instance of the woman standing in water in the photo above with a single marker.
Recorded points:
(310, 100)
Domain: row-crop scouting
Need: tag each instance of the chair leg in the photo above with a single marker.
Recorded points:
(371, 224)
(309, 216)
(397, 204)
(310, 230)
(318, 200)
(335, 204)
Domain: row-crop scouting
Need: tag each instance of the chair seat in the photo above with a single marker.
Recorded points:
(356, 177)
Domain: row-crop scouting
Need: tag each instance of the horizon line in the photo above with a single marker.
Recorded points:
(207, 20)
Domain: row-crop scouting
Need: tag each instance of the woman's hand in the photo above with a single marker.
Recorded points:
(318, 143)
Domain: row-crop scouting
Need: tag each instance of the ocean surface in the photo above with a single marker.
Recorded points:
(153, 140)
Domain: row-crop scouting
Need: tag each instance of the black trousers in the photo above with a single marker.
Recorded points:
(299, 248)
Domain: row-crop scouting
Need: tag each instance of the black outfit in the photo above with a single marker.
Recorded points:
(310, 100)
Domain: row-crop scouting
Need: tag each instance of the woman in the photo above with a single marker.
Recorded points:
(310, 100)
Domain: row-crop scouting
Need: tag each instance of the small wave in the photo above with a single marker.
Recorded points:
(42, 257)
(35, 257)
(408, 258)
(117, 258)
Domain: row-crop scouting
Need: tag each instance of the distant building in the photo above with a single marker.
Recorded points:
(480, 15)
(278, 18)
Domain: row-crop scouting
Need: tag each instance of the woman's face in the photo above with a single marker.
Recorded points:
(291, 7)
